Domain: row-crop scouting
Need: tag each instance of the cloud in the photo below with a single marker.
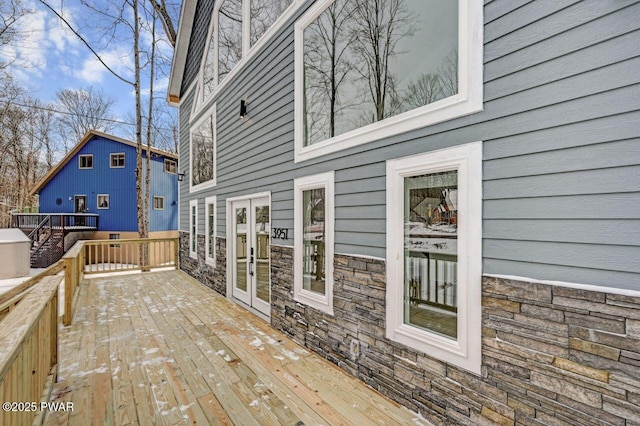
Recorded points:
(118, 59)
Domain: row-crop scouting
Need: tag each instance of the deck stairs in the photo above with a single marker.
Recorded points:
(47, 244)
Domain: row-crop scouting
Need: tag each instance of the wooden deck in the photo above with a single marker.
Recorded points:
(161, 348)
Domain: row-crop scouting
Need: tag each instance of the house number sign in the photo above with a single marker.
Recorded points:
(280, 233)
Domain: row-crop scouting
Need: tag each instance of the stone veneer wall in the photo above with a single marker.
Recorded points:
(214, 278)
(551, 355)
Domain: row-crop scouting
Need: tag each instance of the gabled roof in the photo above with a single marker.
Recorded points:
(185, 25)
(90, 135)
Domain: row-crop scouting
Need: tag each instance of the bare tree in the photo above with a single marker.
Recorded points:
(449, 74)
(326, 66)
(378, 27)
(10, 13)
(426, 89)
(83, 110)
(117, 15)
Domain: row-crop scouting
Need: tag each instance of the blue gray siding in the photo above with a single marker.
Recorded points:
(561, 139)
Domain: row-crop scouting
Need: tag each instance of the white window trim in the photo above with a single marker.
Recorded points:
(98, 201)
(193, 254)
(465, 352)
(208, 201)
(324, 302)
(210, 183)
(80, 161)
(467, 101)
(154, 202)
(248, 52)
(111, 160)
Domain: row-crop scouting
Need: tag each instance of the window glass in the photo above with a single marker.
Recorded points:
(313, 240)
(103, 201)
(117, 160)
(210, 230)
(430, 252)
(367, 60)
(86, 161)
(158, 203)
(194, 209)
(202, 152)
(263, 14)
(208, 76)
(170, 166)
(229, 37)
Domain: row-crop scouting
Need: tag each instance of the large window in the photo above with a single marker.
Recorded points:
(371, 68)
(210, 230)
(203, 153)
(229, 36)
(238, 29)
(193, 229)
(434, 210)
(313, 236)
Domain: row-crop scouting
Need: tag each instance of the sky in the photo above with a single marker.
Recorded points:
(48, 57)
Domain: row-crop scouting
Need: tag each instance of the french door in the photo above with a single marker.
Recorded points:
(250, 252)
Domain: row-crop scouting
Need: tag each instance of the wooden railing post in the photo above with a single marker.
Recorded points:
(69, 275)
(176, 254)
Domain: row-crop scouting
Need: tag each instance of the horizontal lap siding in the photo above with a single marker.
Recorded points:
(560, 131)
(562, 196)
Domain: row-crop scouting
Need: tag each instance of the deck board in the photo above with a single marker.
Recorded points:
(161, 349)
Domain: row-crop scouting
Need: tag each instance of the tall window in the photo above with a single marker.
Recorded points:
(193, 229)
(203, 153)
(117, 160)
(263, 15)
(238, 29)
(434, 210)
(85, 161)
(313, 237)
(210, 230)
(372, 68)
(229, 36)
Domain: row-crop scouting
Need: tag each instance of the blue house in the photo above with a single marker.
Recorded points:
(91, 194)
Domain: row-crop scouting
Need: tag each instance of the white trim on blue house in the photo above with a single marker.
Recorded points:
(467, 101)
(465, 351)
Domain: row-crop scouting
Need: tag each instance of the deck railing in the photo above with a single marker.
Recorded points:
(107, 256)
(69, 221)
(28, 352)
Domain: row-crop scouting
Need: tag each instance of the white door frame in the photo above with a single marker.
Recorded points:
(230, 243)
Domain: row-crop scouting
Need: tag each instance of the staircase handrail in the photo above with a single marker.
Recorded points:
(36, 230)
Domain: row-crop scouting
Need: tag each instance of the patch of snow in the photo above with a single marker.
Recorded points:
(185, 407)
(291, 355)
(151, 351)
(254, 403)
(278, 357)
(256, 342)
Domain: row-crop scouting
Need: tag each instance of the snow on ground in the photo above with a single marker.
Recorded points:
(8, 284)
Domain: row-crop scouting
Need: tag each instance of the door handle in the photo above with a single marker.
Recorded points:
(251, 263)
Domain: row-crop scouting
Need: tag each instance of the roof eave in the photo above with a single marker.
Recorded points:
(185, 25)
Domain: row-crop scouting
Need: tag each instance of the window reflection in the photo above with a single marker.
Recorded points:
(368, 60)
(229, 37)
(202, 152)
(431, 251)
(314, 240)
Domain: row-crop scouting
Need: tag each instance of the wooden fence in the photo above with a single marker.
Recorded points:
(106, 256)
(28, 353)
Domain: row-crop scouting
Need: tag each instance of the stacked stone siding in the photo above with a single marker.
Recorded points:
(551, 355)
(214, 278)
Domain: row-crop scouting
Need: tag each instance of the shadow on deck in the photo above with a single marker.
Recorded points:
(161, 348)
